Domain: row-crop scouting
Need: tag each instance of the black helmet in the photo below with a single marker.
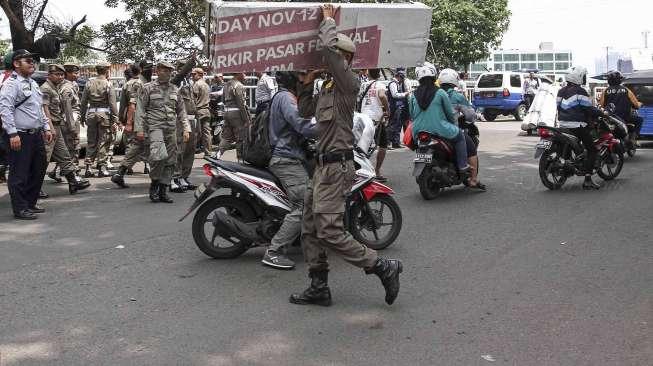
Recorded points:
(615, 78)
(286, 79)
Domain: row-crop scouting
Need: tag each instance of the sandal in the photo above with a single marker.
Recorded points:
(480, 186)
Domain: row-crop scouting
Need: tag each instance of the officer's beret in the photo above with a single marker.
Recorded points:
(52, 68)
(70, 67)
(165, 64)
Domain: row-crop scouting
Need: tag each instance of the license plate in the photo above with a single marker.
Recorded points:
(426, 158)
(488, 94)
(544, 144)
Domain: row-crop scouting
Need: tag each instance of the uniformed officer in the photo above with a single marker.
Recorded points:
(201, 91)
(70, 94)
(185, 149)
(53, 107)
(99, 113)
(324, 206)
(236, 114)
(159, 110)
(25, 126)
(136, 149)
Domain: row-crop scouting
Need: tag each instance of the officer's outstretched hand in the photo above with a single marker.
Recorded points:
(186, 136)
(328, 11)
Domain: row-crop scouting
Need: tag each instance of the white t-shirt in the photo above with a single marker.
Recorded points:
(371, 104)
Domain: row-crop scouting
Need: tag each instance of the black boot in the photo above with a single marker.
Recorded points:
(76, 183)
(103, 172)
(176, 187)
(53, 175)
(388, 271)
(588, 184)
(163, 194)
(317, 294)
(3, 174)
(88, 173)
(154, 191)
(119, 177)
(146, 170)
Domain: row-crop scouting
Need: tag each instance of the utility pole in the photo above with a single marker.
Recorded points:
(645, 34)
(607, 59)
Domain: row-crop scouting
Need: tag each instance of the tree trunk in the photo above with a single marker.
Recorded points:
(20, 36)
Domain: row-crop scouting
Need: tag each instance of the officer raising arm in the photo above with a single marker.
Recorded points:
(324, 205)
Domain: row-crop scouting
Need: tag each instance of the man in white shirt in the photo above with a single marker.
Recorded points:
(398, 101)
(265, 90)
(374, 103)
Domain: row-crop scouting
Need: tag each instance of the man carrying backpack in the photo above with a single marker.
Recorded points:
(288, 131)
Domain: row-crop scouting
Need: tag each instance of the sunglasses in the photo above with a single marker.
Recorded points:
(27, 60)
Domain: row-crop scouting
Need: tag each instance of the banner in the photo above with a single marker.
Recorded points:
(270, 36)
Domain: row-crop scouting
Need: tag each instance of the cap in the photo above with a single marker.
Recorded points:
(70, 67)
(165, 64)
(18, 54)
(401, 71)
(198, 70)
(52, 68)
(146, 64)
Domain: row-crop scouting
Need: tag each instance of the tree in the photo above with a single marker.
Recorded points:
(172, 29)
(78, 50)
(464, 31)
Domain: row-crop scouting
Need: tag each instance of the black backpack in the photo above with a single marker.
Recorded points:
(256, 148)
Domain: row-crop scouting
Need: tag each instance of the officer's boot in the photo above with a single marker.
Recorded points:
(588, 184)
(3, 173)
(76, 183)
(119, 177)
(176, 187)
(54, 176)
(103, 172)
(88, 173)
(317, 294)
(154, 191)
(163, 194)
(388, 271)
(146, 170)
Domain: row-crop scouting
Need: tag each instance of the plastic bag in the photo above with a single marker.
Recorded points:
(408, 135)
(158, 150)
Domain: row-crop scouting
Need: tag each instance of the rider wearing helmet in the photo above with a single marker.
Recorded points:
(576, 113)
(448, 80)
(432, 112)
(621, 101)
(288, 132)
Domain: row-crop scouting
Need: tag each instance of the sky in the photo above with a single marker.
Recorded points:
(585, 27)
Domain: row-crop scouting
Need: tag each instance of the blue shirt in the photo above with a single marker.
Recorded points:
(28, 115)
(287, 129)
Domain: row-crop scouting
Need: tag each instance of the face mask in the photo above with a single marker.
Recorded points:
(164, 78)
(147, 74)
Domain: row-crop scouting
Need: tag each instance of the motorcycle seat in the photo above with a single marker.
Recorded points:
(249, 170)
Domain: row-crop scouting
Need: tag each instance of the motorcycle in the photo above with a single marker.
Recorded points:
(434, 166)
(251, 210)
(562, 155)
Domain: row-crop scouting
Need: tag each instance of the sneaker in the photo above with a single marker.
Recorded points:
(277, 260)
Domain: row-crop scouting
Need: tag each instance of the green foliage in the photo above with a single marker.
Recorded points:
(464, 31)
(171, 29)
(75, 50)
(5, 46)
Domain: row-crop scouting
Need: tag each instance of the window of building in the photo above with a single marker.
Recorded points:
(528, 57)
(498, 67)
(562, 57)
(529, 65)
(510, 57)
(498, 57)
(515, 81)
(478, 67)
(562, 65)
(545, 57)
(511, 67)
(545, 66)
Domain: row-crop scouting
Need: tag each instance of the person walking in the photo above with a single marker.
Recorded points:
(375, 104)
(26, 128)
(201, 93)
(324, 205)
(266, 87)
(159, 110)
(398, 102)
(185, 149)
(531, 85)
(236, 115)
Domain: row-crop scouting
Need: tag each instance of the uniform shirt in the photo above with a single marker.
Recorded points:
(52, 98)
(160, 106)
(131, 90)
(337, 99)
(235, 98)
(99, 93)
(201, 92)
(287, 129)
(68, 91)
(28, 115)
(371, 104)
(265, 89)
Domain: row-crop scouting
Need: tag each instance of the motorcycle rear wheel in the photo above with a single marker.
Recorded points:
(557, 177)
(362, 221)
(205, 216)
(428, 186)
(609, 171)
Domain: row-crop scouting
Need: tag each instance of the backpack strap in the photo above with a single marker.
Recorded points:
(359, 105)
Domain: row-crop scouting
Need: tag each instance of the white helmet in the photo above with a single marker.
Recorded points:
(577, 75)
(426, 70)
(448, 76)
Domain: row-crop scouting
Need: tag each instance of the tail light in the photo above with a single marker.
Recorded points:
(506, 92)
(210, 171)
(544, 133)
(423, 136)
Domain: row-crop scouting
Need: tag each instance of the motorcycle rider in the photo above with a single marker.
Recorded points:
(622, 101)
(576, 112)
(432, 112)
(449, 80)
(288, 131)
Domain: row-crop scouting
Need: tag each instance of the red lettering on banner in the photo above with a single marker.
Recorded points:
(245, 27)
(296, 53)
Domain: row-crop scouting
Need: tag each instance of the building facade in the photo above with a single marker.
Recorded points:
(549, 62)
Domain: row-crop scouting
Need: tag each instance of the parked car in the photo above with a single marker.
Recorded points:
(501, 93)
(641, 84)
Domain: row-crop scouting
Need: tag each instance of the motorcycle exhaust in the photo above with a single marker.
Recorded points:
(242, 230)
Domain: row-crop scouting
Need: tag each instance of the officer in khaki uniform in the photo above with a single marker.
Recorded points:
(57, 150)
(236, 114)
(159, 110)
(70, 95)
(185, 149)
(201, 91)
(323, 226)
(135, 148)
(99, 113)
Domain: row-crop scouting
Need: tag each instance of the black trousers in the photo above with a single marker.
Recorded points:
(26, 170)
(585, 136)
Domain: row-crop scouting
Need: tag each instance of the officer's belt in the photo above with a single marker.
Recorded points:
(99, 110)
(231, 109)
(335, 157)
(29, 131)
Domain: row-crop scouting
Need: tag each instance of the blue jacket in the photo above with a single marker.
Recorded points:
(575, 105)
(288, 130)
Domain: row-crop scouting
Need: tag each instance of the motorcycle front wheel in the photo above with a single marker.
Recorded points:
(214, 239)
(611, 165)
(376, 224)
(551, 172)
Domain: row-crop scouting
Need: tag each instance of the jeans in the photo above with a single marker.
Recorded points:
(460, 145)
(293, 177)
(397, 119)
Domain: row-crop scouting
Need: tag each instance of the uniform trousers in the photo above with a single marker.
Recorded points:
(99, 136)
(162, 170)
(26, 170)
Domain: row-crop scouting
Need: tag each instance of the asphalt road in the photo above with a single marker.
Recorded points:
(515, 276)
